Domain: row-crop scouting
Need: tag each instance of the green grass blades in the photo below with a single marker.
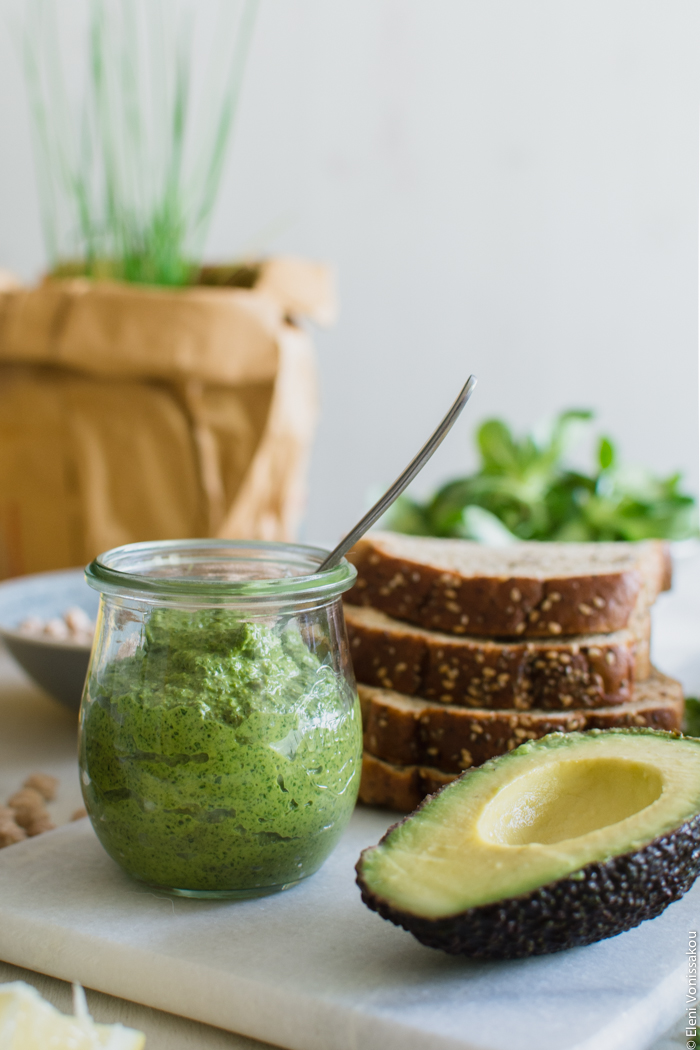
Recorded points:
(130, 155)
(525, 489)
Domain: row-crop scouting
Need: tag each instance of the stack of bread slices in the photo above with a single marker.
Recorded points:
(462, 652)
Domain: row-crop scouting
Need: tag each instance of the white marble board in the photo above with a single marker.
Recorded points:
(313, 969)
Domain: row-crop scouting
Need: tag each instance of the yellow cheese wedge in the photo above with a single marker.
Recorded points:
(28, 1022)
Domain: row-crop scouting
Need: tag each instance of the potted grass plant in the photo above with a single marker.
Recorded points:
(143, 394)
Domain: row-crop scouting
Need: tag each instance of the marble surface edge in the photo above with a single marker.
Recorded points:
(248, 1012)
(96, 945)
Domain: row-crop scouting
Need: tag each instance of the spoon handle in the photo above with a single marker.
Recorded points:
(403, 480)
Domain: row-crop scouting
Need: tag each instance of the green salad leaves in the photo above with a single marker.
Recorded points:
(524, 489)
(691, 724)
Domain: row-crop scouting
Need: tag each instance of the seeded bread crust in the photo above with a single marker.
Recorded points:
(398, 787)
(524, 590)
(583, 671)
(411, 731)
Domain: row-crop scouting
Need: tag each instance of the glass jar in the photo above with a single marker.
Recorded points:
(220, 731)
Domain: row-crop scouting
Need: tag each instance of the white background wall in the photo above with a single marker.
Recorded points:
(507, 187)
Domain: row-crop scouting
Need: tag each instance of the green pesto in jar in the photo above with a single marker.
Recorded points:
(221, 755)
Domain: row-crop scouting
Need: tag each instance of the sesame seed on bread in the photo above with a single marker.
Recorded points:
(582, 671)
(522, 590)
(414, 731)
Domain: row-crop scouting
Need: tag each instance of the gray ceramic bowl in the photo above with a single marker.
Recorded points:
(59, 667)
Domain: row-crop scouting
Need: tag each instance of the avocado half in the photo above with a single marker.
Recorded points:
(564, 841)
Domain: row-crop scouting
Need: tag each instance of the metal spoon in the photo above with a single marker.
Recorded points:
(403, 480)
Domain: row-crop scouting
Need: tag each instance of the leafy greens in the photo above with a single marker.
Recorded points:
(524, 489)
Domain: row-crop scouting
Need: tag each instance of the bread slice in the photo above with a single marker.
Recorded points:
(524, 590)
(398, 787)
(588, 670)
(640, 626)
(412, 731)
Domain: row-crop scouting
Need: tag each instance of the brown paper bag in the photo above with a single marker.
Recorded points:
(137, 413)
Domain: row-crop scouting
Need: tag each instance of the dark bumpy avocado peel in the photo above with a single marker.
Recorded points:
(600, 900)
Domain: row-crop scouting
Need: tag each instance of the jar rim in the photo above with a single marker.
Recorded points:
(124, 570)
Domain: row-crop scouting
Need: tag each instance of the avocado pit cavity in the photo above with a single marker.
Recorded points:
(568, 800)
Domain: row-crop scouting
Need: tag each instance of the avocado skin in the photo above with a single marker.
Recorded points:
(606, 898)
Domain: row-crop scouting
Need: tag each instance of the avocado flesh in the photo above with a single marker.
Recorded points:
(572, 824)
